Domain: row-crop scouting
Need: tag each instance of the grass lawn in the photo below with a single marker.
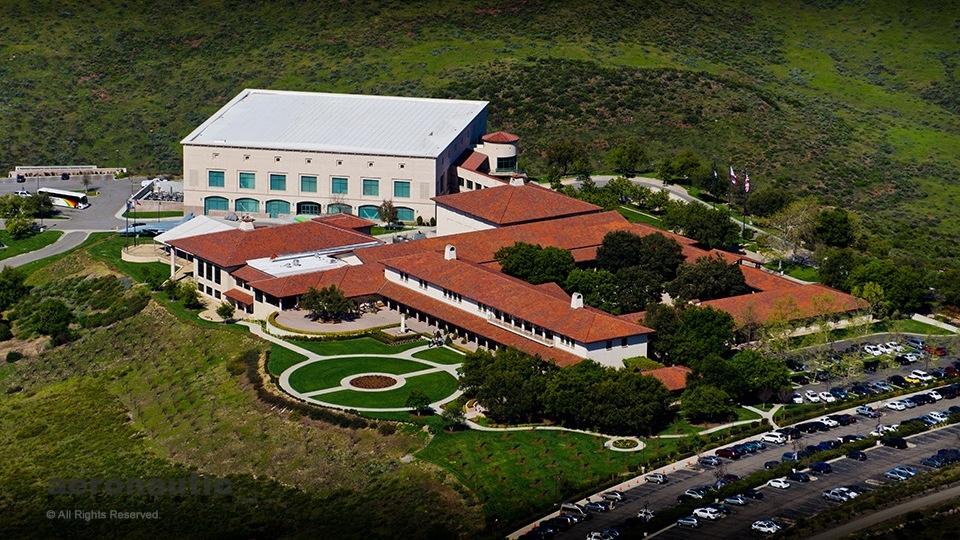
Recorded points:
(519, 474)
(436, 385)
(440, 355)
(377, 230)
(329, 373)
(364, 345)
(109, 251)
(680, 426)
(281, 358)
(25, 245)
(633, 216)
(797, 271)
(745, 414)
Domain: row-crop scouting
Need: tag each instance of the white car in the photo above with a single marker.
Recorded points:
(707, 513)
(897, 406)
(797, 398)
(935, 395)
(894, 346)
(23, 193)
(812, 396)
(872, 350)
(914, 356)
(779, 483)
(938, 416)
(827, 397)
(765, 526)
(774, 438)
(922, 375)
(830, 422)
(884, 348)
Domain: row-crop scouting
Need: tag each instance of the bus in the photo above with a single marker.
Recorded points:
(67, 199)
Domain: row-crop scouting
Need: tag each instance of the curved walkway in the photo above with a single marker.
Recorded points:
(68, 241)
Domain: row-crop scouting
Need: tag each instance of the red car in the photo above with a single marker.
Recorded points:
(728, 453)
(939, 351)
(951, 372)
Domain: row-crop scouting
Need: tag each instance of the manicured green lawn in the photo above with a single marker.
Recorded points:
(329, 373)
(440, 355)
(680, 426)
(25, 245)
(519, 474)
(109, 251)
(362, 345)
(436, 385)
(634, 216)
(744, 414)
(281, 358)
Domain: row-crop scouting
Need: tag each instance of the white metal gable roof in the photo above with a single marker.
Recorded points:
(342, 123)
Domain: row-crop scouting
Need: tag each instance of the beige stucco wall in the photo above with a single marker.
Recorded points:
(450, 221)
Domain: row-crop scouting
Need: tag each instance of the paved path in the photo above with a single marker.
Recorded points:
(885, 514)
(68, 241)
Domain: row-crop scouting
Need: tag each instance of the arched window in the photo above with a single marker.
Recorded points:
(277, 207)
(308, 208)
(405, 214)
(369, 212)
(246, 205)
(215, 203)
(339, 208)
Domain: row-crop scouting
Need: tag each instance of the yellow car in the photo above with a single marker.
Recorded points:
(911, 379)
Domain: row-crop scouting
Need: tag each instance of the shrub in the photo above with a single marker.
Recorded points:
(386, 428)
(13, 356)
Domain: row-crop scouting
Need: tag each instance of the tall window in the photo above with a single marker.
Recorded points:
(507, 163)
(278, 182)
(401, 189)
(339, 185)
(308, 184)
(248, 180)
(371, 187)
(215, 179)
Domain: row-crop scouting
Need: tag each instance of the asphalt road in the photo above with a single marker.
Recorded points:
(801, 499)
(100, 216)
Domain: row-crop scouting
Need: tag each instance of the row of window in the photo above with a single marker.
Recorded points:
(308, 184)
(209, 271)
(276, 208)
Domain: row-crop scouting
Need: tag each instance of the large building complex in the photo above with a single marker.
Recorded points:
(279, 154)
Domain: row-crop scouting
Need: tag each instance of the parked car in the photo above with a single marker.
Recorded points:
(728, 453)
(790, 456)
(922, 375)
(797, 477)
(707, 513)
(779, 483)
(907, 469)
(614, 496)
(656, 478)
(835, 495)
(857, 455)
(934, 461)
(909, 402)
(894, 474)
(897, 380)
(827, 397)
(903, 360)
(599, 506)
(868, 411)
(850, 437)
(894, 442)
(812, 396)
(839, 393)
(821, 467)
(736, 500)
(797, 398)
(774, 438)
(937, 351)
(830, 422)
(689, 521)
(772, 464)
(910, 379)
(712, 461)
(765, 526)
(916, 343)
(896, 405)
(754, 494)
(884, 387)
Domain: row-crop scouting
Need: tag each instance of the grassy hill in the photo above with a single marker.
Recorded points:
(856, 102)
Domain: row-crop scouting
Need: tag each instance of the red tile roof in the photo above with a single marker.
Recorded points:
(513, 297)
(233, 248)
(239, 296)
(673, 377)
(345, 221)
(354, 281)
(509, 205)
(477, 325)
(789, 300)
(476, 161)
(250, 274)
(500, 137)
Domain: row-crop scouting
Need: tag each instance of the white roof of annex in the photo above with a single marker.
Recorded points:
(338, 123)
(195, 227)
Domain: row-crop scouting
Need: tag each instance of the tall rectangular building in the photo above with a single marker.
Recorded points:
(272, 153)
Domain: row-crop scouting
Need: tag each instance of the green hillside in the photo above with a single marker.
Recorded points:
(854, 101)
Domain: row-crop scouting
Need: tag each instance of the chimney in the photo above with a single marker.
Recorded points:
(246, 223)
(576, 300)
(517, 180)
(450, 253)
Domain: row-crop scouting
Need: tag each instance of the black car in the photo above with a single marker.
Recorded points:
(898, 380)
(753, 494)
(860, 390)
(791, 433)
(821, 467)
(812, 427)
(771, 464)
(857, 455)
(948, 392)
(798, 477)
(851, 438)
(894, 442)
(870, 366)
(843, 419)
(923, 399)
(902, 360)
(934, 461)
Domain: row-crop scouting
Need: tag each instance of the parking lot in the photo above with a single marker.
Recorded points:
(800, 499)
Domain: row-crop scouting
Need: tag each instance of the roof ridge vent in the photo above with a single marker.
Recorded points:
(450, 252)
(576, 300)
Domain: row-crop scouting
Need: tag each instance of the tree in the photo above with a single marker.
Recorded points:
(12, 287)
(53, 317)
(39, 205)
(85, 180)
(756, 375)
(707, 279)
(618, 250)
(902, 286)
(388, 212)
(634, 288)
(796, 225)
(702, 331)
(509, 383)
(665, 322)
(711, 228)
(225, 311)
(767, 202)
(627, 158)
(453, 419)
(419, 401)
(835, 265)
(655, 253)
(705, 404)
(568, 396)
(948, 286)
(596, 286)
(19, 226)
(835, 228)
(534, 263)
(188, 296)
(563, 154)
(327, 304)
